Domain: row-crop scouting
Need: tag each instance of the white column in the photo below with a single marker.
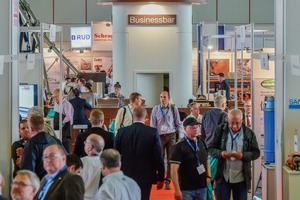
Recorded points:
(154, 48)
(286, 119)
(5, 113)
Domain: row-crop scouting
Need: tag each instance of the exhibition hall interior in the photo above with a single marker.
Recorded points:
(122, 54)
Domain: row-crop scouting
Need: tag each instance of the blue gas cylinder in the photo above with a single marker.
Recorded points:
(269, 130)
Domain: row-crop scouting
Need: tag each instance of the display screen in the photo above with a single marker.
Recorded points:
(28, 97)
(81, 37)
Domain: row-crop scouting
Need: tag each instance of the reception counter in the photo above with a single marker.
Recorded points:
(110, 114)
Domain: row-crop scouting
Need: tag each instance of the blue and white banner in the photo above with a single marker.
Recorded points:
(294, 103)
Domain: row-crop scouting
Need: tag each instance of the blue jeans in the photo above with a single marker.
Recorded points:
(239, 191)
(200, 194)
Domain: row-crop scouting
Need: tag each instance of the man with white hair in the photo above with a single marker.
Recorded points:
(235, 146)
(25, 185)
(91, 171)
(212, 118)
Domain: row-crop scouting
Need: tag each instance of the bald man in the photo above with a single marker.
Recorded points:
(91, 172)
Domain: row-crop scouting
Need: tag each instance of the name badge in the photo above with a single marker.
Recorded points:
(164, 128)
(201, 169)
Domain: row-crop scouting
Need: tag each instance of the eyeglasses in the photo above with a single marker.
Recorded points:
(52, 156)
(21, 184)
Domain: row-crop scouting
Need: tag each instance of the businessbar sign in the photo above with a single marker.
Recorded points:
(151, 19)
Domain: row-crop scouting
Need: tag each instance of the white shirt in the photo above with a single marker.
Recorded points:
(127, 118)
(110, 87)
(199, 117)
(90, 174)
(117, 186)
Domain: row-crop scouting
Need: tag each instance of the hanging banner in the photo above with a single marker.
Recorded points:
(102, 37)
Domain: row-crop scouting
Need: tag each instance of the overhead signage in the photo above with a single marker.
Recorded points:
(151, 19)
(81, 37)
(102, 37)
(294, 103)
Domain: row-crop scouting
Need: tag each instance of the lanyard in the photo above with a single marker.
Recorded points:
(233, 137)
(194, 150)
(130, 110)
(164, 114)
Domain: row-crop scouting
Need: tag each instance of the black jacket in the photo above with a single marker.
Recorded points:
(79, 144)
(141, 152)
(33, 152)
(250, 150)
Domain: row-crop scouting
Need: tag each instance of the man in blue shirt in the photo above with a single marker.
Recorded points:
(59, 183)
(166, 119)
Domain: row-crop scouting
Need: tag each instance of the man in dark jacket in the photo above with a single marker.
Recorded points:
(79, 106)
(212, 118)
(224, 85)
(59, 183)
(97, 121)
(25, 136)
(141, 152)
(33, 150)
(235, 146)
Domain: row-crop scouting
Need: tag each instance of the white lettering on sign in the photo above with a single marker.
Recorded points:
(151, 19)
(294, 103)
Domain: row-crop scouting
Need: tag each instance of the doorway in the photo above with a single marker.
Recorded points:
(150, 85)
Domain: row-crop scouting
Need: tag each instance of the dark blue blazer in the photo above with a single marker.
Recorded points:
(141, 151)
(224, 85)
(79, 106)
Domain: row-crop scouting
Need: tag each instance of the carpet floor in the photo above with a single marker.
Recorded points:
(162, 194)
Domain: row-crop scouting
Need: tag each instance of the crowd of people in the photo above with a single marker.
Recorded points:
(125, 165)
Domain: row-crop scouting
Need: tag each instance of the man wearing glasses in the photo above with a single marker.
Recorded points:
(235, 146)
(25, 185)
(59, 183)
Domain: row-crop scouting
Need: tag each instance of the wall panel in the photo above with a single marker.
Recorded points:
(69, 11)
(233, 11)
(98, 12)
(43, 10)
(262, 11)
(206, 12)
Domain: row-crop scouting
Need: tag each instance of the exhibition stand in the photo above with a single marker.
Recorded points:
(268, 182)
(291, 180)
